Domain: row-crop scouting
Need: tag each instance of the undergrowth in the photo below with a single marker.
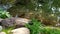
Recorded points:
(37, 28)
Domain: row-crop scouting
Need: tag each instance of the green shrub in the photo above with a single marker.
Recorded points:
(8, 30)
(4, 14)
(35, 27)
(50, 30)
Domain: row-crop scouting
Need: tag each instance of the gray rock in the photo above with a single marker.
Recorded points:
(22, 30)
(14, 22)
(21, 21)
(8, 22)
(1, 19)
(2, 33)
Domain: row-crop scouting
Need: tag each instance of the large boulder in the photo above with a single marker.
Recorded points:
(22, 30)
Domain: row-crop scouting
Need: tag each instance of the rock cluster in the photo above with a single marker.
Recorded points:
(15, 21)
(8, 22)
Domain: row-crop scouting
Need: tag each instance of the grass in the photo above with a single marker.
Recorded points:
(50, 30)
(8, 30)
(37, 28)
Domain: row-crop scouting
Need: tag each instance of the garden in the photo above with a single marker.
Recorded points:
(29, 16)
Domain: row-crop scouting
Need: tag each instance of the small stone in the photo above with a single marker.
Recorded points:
(2, 33)
(21, 30)
(0, 28)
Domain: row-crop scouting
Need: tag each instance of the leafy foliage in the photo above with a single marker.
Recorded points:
(35, 27)
(38, 28)
(50, 30)
(8, 30)
(4, 14)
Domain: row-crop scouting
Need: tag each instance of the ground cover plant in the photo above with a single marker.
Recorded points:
(38, 28)
(4, 14)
